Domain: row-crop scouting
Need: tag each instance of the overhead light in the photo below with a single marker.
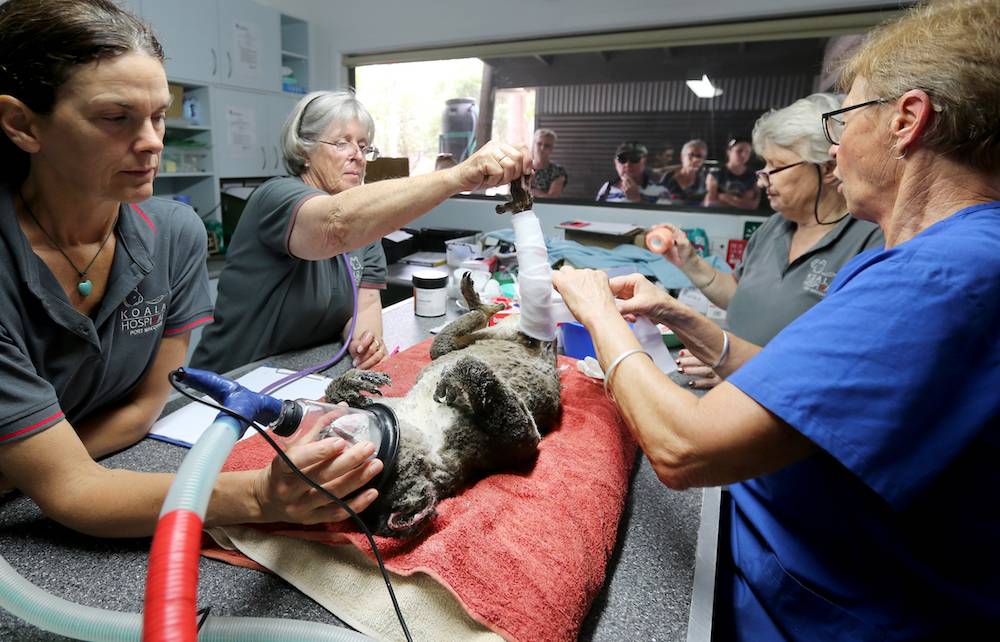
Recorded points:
(704, 88)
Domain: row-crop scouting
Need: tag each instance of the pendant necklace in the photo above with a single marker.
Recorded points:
(85, 286)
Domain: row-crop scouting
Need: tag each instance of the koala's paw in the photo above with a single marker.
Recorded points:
(450, 393)
(350, 386)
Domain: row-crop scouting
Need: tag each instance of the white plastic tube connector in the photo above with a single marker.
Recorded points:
(541, 307)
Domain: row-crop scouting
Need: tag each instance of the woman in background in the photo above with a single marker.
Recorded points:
(687, 185)
(548, 179)
(793, 257)
(733, 184)
(285, 285)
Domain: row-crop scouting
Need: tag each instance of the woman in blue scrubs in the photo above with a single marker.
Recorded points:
(861, 462)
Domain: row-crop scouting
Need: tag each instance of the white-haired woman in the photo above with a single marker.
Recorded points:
(285, 285)
(861, 472)
(548, 180)
(793, 257)
(688, 184)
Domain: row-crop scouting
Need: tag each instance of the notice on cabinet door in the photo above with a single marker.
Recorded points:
(241, 131)
(246, 49)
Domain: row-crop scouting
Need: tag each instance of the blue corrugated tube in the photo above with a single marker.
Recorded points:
(172, 583)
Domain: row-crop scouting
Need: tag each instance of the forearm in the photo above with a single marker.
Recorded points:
(642, 392)
(718, 286)
(115, 429)
(369, 313)
(703, 338)
(359, 216)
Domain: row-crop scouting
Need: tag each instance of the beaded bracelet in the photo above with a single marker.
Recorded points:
(614, 364)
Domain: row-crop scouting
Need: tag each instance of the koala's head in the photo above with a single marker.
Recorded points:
(408, 501)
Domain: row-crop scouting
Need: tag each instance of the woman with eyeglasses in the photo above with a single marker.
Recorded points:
(306, 241)
(860, 446)
(793, 257)
(688, 184)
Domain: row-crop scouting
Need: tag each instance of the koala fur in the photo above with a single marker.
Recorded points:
(481, 405)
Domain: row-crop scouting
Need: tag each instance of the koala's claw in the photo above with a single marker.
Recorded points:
(349, 386)
(449, 393)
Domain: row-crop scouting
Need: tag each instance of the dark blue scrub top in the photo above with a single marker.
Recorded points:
(891, 531)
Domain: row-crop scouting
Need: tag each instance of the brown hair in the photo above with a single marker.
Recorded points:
(44, 41)
(949, 50)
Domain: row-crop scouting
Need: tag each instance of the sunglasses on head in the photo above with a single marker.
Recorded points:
(626, 157)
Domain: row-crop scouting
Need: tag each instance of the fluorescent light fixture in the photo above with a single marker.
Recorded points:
(704, 88)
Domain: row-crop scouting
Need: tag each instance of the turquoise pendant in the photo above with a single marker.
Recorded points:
(84, 287)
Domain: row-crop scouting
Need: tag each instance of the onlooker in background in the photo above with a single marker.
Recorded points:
(687, 185)
(793, 257)
(633, 184)
(733, 184)
(444, 161)
(549, 179)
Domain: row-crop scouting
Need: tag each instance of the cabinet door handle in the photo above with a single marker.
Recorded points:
(276, 156)
(215, 61)
(229, 59)
(263, 154)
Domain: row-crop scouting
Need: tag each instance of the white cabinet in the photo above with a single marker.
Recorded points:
(188, 30)
(281, 107)
(235, 42)
(240, 122)
(250, 42)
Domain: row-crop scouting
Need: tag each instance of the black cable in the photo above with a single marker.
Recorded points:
(819, 192)
(288, 462)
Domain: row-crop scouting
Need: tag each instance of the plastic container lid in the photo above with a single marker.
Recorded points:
(430, 279)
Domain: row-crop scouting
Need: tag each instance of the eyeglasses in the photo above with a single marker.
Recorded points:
(695, 155)
(764, 176)
(833, 127)
(629, 158)
(370, 152)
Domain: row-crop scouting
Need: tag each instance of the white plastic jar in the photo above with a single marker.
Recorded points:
(430, 296)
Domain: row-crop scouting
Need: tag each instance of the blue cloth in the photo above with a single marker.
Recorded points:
(638, 259)
(892, 530)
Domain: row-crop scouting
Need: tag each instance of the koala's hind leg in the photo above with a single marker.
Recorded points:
(495, 408)
(455, 335)
(349, 386)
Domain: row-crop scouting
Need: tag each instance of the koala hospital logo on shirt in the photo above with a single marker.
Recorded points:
(818, 281)
(357, 270)
(140, 315)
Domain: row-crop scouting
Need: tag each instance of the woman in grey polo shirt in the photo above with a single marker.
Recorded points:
(285, 286)
(792, 258)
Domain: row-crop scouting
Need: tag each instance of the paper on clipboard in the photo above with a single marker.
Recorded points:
(184, 426)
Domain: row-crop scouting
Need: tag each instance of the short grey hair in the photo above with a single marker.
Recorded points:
(546, 133)
(311, 117)
(798, 127)
(692, 144)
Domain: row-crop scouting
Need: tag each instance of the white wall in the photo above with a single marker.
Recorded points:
(480, 215)
(388, 25)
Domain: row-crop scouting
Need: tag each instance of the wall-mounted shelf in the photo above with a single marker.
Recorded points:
(294, 54)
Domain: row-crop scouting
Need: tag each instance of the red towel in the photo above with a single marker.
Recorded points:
(525, 553)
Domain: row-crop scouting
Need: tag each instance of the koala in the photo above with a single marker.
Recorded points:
(481, 405)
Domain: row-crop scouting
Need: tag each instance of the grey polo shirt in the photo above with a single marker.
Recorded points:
(56, 363)
(772, 293)
(271, 301)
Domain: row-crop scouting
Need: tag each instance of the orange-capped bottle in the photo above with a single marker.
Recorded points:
(659, 240)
